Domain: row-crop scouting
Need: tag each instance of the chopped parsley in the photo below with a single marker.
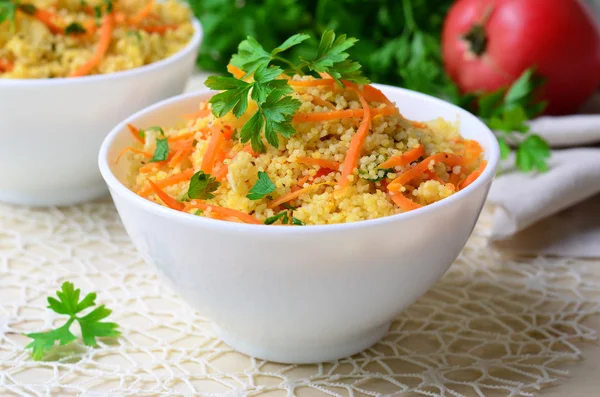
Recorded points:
(262, 187)
(271, 220)
(75, 28)
(202, 186)
(29, 9)
(386, 171)
(161, 153)
(154, 128)
(8, 10)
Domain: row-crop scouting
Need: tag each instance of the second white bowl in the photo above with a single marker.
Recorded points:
(51, 129)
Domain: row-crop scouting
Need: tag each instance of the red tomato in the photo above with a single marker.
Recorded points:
(487, 44)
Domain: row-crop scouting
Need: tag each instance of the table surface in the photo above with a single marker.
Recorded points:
(163, 339)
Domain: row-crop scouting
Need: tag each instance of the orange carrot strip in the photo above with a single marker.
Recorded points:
(208, 162)
(292, 195)
(136, 133)
(178, 157)
(300, 184)
(225, 211)
(321, 102)
(403, 159)
(228, 132)
(447, 158)
(323, 163)
(6, 66)
(403, 202)
(168, 200)
(235, 71)
(473, 176)
(198, 115)
(160, 29)
(101, 48)
(172, 180)
(142, 14)
(419, 124)
(51, 20)
(356, 143)
(311, 83)
(120, 17)
(340, 114)
(370, 93)
(135, 150)
(454, 179)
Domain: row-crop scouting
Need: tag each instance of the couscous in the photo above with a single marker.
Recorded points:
(336, 151)
(70, 38)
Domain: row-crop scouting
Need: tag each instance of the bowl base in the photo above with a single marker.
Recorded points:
(298, 353)
(48, 198)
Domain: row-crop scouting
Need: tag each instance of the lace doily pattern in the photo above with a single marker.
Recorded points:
(492, 326)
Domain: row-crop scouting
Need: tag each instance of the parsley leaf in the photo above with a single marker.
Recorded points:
(8, 10)
(75, 28)
(298, 222)
(532, 154)
(161, 153)
(153, 128)
(68, 303)
(271, 220)
(332, 58)
(29, 9)
(202, 185)
(262, 187)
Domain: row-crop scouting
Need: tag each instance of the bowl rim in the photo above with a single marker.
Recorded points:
(121, 190)
(194, 43)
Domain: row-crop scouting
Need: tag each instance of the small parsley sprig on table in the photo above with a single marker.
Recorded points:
(272, 95)
(68, 303)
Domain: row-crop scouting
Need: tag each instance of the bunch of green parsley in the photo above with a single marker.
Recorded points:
(399, 44)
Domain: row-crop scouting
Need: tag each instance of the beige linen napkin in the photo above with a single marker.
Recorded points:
(556, 212)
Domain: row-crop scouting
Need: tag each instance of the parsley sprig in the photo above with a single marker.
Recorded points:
(263, 186)
(68, 303)
(202, 186)
(507, 112)
(272, 95)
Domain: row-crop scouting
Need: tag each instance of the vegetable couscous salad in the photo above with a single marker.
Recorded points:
(72, 38)
(310, 144)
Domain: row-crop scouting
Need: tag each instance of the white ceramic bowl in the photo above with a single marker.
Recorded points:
(51, 129)
(301, 294)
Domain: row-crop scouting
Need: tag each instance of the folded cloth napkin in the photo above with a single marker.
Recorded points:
(556, 212)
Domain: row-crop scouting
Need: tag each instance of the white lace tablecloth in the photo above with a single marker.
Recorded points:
(493, 326)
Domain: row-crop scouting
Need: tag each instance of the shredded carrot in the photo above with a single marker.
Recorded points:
(120, 17)
(419, 124)
(340, 114)
(222, 172)
(228, 132)
(151, 166)
(321, 102)
(473, 152)
(6, 66)
(225, 211)
(183, 176)
(300, 184)
(432, 176)
(105, 36)
(454, 179)
(324, 171)
(473, 176)
(198, 115)
(320, 162)
(208, 161)
(178, 157)
(356, 143)
(168, 200)
(370, 93)
(135, 150)
(235, 71)
(90, 29)
(403, 159)
(404, 202)
(142, 14)
(51, 20)
(292, 195)
(183, 137)
(311, 83)
(160, 29)
(447, 158)
(136, 133)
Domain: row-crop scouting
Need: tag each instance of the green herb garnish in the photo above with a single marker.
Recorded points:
(202, 185)
(262, 187)
(29, 9)
(379, 178)
(276, 107)
(296, 221)
(154, 128)
(198, 212)
(68, 303)
(161, 153)
(8, 10)
(507, 112)
(271, 220)
(75, 28)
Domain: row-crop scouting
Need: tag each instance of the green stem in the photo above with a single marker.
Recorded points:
(409, 17)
